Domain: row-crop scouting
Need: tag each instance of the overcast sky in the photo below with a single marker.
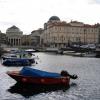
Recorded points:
(30, 15)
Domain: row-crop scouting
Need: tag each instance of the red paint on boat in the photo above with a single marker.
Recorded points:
(39, 80)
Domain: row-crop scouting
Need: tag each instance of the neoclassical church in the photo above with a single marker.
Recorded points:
(14, 35)
(16, 38)
(60, 34)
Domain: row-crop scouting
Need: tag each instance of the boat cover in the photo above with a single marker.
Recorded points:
(27, 71)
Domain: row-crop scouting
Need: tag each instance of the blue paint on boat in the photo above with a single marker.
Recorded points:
(16, 62)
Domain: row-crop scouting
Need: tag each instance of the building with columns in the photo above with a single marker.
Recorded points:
(60, 34)
(14, 35)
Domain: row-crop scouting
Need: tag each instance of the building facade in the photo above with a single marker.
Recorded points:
(61, 34)
(25, 40)
(55, 34)
(35, 37)
(14, 36)
(2, 38)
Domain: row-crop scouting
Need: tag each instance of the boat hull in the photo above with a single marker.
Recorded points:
(39, 80)
(16, 62)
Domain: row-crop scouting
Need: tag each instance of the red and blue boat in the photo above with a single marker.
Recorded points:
(38, 77)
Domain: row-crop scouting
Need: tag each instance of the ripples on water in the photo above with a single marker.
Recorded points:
(86, 87)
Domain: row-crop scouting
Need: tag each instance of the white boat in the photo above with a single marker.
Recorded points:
(30, 50)
(79, 54)
(18, 59)
(69, 52)
(89, 55)
(85, 54)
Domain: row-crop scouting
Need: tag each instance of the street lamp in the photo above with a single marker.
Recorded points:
(84, 36)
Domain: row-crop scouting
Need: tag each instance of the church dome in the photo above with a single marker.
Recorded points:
(54, 18)
(13, 29)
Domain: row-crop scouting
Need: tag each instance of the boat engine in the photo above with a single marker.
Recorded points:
(65, 73)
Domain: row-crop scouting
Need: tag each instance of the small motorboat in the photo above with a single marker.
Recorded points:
(18, 59)
(38, 77)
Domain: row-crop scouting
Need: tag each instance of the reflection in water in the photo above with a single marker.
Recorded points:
(73, 84)
(28, 90)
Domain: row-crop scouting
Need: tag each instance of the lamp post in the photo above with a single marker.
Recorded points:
(84, 36)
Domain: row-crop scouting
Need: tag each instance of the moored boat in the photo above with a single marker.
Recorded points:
(33, 76)
(18, 59)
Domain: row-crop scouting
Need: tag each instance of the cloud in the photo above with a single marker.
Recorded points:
(6, 23)
(32, 14)
(97, 1)
(94, 2)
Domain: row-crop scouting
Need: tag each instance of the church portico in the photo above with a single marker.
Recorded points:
(14, 41)
(14, 36)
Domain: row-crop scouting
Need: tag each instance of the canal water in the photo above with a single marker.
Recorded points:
(86, 87)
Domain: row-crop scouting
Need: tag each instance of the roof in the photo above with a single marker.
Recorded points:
(13, 28)
(54, 18)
